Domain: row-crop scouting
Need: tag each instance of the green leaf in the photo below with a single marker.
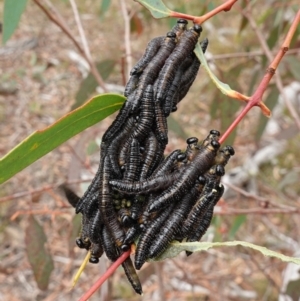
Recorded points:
(105, 4)
(40, 260)
(42, 142)
(89, 85)
(175, 248)
(224, 88)
(156, 7)
(11, 16)
(237, 223)
(174, 126)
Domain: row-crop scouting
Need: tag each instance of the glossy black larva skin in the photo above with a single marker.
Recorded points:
(132, 276)
(138, 195)
(152, 70)
(146, 237)
(185, 46)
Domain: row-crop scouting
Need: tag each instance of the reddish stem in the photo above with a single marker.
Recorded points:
(105, 276)
(199, 20)
(258, 94)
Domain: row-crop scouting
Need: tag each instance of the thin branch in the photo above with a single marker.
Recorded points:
(80, 29)
(229, 211)
(54, 16)
(105, 276)
(275, 60)
(34, 191)
(246, 54)
(256, 98)
(199, 20)
(126, 18)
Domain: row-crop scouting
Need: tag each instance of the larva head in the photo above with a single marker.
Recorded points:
(93, 259)
(224, 155)
(197, 28)
(192, 140)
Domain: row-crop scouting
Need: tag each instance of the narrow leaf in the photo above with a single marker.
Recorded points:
(174, 126)
(42, 142)
(11, 16)
(89, 85)
(39, 259)
(225, 88)
(175, 248)
(105, 4)
(237, 223)
(156, 7)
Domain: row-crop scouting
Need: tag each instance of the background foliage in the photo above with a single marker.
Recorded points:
(42, 80)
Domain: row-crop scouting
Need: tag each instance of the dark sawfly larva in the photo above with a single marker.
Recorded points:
(124, 215)
(172, 225)
(189, 75)
(109, 246)
(212, 180)
(131, 84)
(199, 231)
(145, 186)
(186, 45)
(96, 252)
(201, 163)
(144, 124)
(175, 85)
(71, 196)
(151, 50)
(150, 158)
(161, 125)
(115, 127)
(132, 276)
(116, 144)
(106, 206)
(167, 166)
(154, 45)
(150, 73)
(132, 168)
(95, 228)
(146, 237)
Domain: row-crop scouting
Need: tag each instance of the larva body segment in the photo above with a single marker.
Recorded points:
(106, 206)
(151, 50)
(116, 144)
(161, 125)
(115, 127)
(109, 247)
(152, 70)
(131, 84)
(132, 276)
(199, 230)
(149, 162)
(132, 169)
(185, 46)
(202, 162)
(146, 116)
(146, 237)
(96, 252)
(175, 85)
(167, 166)
(172, 225)
(95, 228)
(142, 187)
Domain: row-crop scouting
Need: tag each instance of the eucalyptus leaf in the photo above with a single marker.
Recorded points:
(175, 248)
(43, 141)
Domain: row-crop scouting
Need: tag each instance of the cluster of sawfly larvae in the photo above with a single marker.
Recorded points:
(137, 194)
